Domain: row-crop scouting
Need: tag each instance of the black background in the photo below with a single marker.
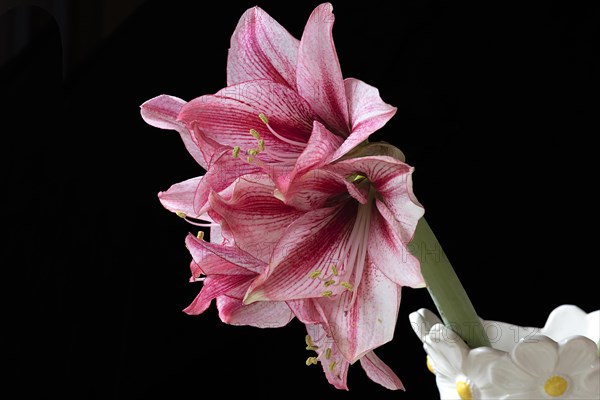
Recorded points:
(497, 106)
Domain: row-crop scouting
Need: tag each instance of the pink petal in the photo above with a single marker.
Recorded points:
(261, 49)
(393, 181)
(333, 363)
(320, 146)
(311, 243)
(212, 287)
(315, 189)
(368, 113)
(195, 270)
(162, 112)
(216, 235)
(235, 261)
(264, 314)
(319, 76)
(180, 196)
(388, 252)
(379, 372)
(227, 117)
(361, 324)
(254, 216)
(304, 310)
(223, 170)
(205, 262)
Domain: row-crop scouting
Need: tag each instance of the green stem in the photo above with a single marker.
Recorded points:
(445, 288)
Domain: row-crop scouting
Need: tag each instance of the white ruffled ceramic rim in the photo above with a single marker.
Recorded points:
(559, 360)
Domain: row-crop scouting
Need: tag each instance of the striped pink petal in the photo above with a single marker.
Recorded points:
(366, 320)
(367, 111)
(319, 76)
(228, 116)
(272, 314)
(261, 49)
(379, 372)
(389, 252)
(254, 216)
(162, 112)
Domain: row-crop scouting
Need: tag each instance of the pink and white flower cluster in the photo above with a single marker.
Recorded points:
(308, 219)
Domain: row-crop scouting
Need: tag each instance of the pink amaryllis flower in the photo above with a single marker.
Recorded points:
(188, 198)
(346, 253)
(286, 100)
(226, 273)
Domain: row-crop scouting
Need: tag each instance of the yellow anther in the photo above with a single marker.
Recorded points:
(255, 134)
(261, 144)
(200, 235)
(334, 270)
(329, 282)
(312, 360)
(556, 386)
(235, 152)
(347, 285)
(250, 159)
(308, 340)
(328, 353)
(252, 152)
(327, 293)
(332, 366)
(315, 274)
(263, 118)
(309, 344)
(180, 214)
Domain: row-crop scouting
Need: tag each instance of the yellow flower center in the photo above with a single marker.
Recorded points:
(464, 390)
(429, 366)
(556, 386)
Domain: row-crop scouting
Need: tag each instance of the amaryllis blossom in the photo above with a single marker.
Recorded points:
(345, 253)
(189, 197)
(286, 100)
(226, 273)
(316, 219)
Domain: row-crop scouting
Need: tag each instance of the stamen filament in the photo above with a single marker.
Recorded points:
(193, 221)
(265, 121)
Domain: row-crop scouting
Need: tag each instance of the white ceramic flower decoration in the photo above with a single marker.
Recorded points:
(558, 361)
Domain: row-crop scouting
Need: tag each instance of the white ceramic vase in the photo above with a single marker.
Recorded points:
(557, 361)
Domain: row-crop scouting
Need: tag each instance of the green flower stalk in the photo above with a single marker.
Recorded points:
(448, 294)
